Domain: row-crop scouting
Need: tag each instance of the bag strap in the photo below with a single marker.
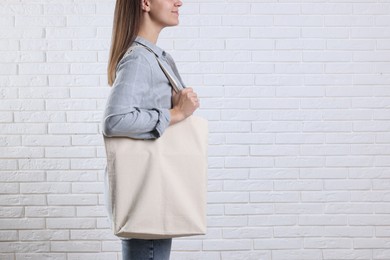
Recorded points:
(171, 80)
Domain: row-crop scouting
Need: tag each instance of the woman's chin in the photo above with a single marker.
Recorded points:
(173, 23)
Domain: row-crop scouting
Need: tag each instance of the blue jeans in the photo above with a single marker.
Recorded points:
(141, 249)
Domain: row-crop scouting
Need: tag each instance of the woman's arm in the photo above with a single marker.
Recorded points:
(124, 115)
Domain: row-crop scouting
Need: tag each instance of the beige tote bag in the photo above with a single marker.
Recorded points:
(157, 188)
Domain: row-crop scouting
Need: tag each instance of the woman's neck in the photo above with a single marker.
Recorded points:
(149, 31)
(149, 37)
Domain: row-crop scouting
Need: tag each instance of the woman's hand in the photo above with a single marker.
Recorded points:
(184, 104)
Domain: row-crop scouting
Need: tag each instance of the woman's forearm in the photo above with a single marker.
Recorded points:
(176, 116)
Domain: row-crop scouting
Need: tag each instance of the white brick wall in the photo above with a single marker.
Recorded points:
(297, 94)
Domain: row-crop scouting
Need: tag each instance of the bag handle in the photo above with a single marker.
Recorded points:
(171, 80)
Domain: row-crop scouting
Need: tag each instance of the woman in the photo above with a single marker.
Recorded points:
(142, 104)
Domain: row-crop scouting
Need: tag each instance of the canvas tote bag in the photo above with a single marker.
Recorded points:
(157, 188)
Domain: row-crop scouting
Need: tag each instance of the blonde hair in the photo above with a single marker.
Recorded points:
(127, 20)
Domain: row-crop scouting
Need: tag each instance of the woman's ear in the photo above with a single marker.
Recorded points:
(145, 5)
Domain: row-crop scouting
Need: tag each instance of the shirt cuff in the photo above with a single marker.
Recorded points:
(164, 118)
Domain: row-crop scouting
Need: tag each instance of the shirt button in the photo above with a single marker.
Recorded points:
(164, 54)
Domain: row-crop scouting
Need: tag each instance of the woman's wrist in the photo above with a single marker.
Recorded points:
(176, 116)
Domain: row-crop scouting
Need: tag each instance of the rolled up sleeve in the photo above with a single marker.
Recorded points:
(127, 112)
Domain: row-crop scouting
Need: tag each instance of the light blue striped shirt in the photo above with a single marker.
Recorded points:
(140, 99)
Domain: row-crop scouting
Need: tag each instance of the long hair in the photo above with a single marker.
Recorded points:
(127, 20)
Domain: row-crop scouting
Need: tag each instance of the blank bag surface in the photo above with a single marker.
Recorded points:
(157, 188)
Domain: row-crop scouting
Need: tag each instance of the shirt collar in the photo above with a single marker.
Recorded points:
(157, 50)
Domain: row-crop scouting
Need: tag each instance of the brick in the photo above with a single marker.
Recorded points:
(18, 9)
(49, 211)
(298, 254)
(75, 246)
(349, 231)
(22, 223)
(337, 161)
(22, 200)
(325, 150)
(295, 44)
(41, 256)
(291, 208)
(182, 245)
(380, 253)
(347, 254)
(248, 255)
(92, 256)
(71, 199)
(43, 164)
(278, 243)
(43, 93)
(91, 211)
(69, 223)
(45, 187)
(250, 185)
(227, 245)
(348, 208)
(324, 220)
(227, 197)
(331, 56)
(302, 231)
(325, 196)
(87, 140)
(72, 128)
(87, 188)
(276, 9)
(44, 45)
(7, 93)
(274, 173)
(8, 236)
(299, 138)
(46, 140)
(350, 45)
(9, 188)
(323, 173)
(364, 8)
(24, 247)
(73, 81)
(88, 164)
(372, 243)
(221, 32)
(299, 91)
(92, 235)
(70, 104)
(285, 185)
(274, 196)
(245, 233)
(272, 220)
(207, 20)
(49, 235)
(248, 162)
(228, 151)
(22, 105)
(227, 174)
(219, 8)
(274, 126)
(348, 20)
(69, 152)
(250, 44)
(247, 20)
(57, 9)
(45, 69)
(299, 162)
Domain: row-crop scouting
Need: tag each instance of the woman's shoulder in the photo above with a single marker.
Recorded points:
(137, 53)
